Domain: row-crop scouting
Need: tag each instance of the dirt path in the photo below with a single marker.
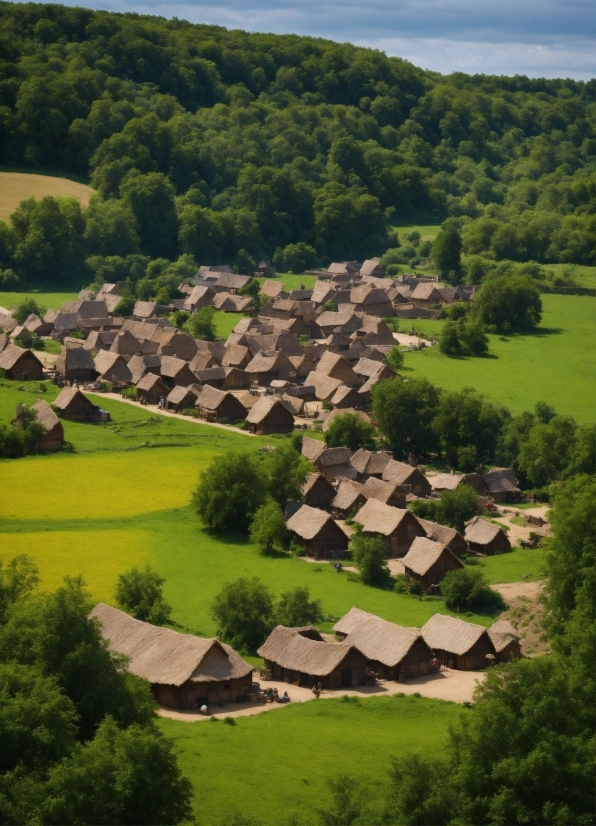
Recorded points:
(410, 341)
(514, 590)
(526, 613)
(516, 533)
(153, 409)
(455, 686)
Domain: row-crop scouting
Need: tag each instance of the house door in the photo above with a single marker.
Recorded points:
(346, 676)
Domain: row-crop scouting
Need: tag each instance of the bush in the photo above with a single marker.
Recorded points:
(469, 590)
(201, 325)
(141, 593)
(369, 555)
(349, 430)
(26, 308)
(243, 611)
(395, 359)
(268, 527)
(125, 307)
(295, 608)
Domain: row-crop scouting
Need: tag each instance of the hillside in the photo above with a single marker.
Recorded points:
(216, 145)
(18, 186)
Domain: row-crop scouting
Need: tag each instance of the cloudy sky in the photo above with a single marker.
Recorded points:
(540, 38)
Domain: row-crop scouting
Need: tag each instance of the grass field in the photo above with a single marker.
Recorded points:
(584, 276)
(17, 186)
(428, 232)
(514, 567)
(51, 301)
(273, 767)
(225, 323)
(291, 282)
(557, 364)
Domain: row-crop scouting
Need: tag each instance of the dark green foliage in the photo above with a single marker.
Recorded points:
(141, 593)
(268, 527)
(468, 590)
(21, 436)
(463, 339)
(18, 579)
(346, 806)
(446, 251)
(465, 419)
(454, 508)
(286, 470)
(230, 491)
(508, 304)
(27, 307)
(244, 613)
(395, 359)
(125, 307)
(370, 557)
(405, 412)
(348, 430)
(295, 608)
(201, 325)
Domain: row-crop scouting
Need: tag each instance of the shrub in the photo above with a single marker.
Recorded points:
(295, 608)
(369, 555)
(469, 590)
(26, 308)
(141, 593)
(268, 527)
(243, 611)
(349, 430)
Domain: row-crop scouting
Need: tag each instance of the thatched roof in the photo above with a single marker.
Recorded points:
(210, 398)
(171, 366)
(375, 488)
(324, 386)
(501, 634)
(377, 639)
(424, 553)
(144, 309)
(11, 354)
(75, 358)
(106, 360)
(45, 415)
(67, 396)
(348, 494)
(445, 481)
(210, 374)
(313, 479)
(398, 472)
(439, 533)
(270, 361)
(271, 289)
(312, 448)
(370, 462)
(452, 635)
(149, 381)
(308, 522)
(424, 292)
(501, 480)
(180, 394)
(261, 409)
(165, 657)
(235, 356)
(377, 517)
(372, 266)
(289, 649)
(334, 456)
(481, 531)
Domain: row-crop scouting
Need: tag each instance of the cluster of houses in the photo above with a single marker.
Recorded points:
(188, 672)
(322, 346)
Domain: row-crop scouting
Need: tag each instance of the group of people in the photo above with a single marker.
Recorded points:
(273, 696)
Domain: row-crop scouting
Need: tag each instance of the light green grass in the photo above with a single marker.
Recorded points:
(273, 767)
(556, 365)
(584, 276)
(428, 232)
(521, 564)
(290, 281)
(225, 323)
(51, 301)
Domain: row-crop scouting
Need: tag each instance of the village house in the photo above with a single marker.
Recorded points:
(485, 538)
(317, 491)
(20, 364)
(112, 368)
(53, 439)
(213, 376)
(269, 365)
(370, 463)
(324, 387)
(461, 645)
(301, 657)
(177, 344)
(219, 406)
(428, 562)
(411, 479)
(318, 532)
(345, 398)
(236, 356)
(399, 528)
(349, 496)
(270, 415)
(271, 289)
(151, 389)
(371, 300)
(335, 366)
(198, 298)
(502, 485)
(334, 463)
(76, 364)
(76, 407)
(450, 537)
(372, 268)
(175, 371)
(384, 492)
(505, 639)
(426, 295)
(312, 448)
(390, 649)
(182, 398)
(184, 671)
(99, 340)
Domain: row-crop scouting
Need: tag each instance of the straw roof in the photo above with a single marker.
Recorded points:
(75, 358)
(269, 361)
(308, 522)
(377, 517)
(501, 480)
(180, 394)
(210, 398)
(106, 360)
(439, 533)
(501, 634)
(166, 657)
(375, 488)
(371, 267)
(481, 531)
(45, 415)
(149, 381)
(334, 456)
(324, 386)
(370, 462)
(424, 292)
(312, 448)
(312, 479)
(423, 554)
(289, 649)
(261, 409)
(67, 395)
(171, 366)
(445, 481)
(450, 634)
(348, 494)
(377, 639)
(11, 354)
(397, 472)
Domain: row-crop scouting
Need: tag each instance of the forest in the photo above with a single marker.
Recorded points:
(207, 146)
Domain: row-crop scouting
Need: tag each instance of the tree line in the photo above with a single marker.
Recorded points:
(229, 146)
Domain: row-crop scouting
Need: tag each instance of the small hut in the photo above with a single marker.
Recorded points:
(385, 492)
(409, 478)
(335, 366)
(270, 415)
(387, 647)
(317, 491)
(447, 536)
(428, 561)
(175, 371)
(312, 448)
(318, 532)
(349, 496)
(301, 657)
(76, 364)
(505, 639)
(20, 364)
(112, 367)
(370, 463)
(485, 538)
(183, 670)
(182, 398)
(462, 645)
(218, 406)
(399, 527)
(76, 407)
(335, 462)
(53, 439)
(502, 485)
(151, 389)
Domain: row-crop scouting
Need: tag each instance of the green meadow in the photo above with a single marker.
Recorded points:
(273, 767)
(556, 364)
(51, 301)
(428, 232)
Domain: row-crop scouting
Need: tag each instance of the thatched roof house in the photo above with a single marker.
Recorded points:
(349, 496)
(485, 538)
(462, 645)
(53, 439)
(335, 462)
(175, 371)
(270, 415)
(409, 478)
(152, 388)
(429, 561)
(219, 406)
(335, 366)
(502, 485)
(505, 639)
(346, 398)
(76, 364)
(324, 386)
(182, 398)
(447, 536)
(112, 367)
(180, 345)
(312, 448)
(370, 463)
(387, 647)
(268, 365)
(75, 406)
(20, 364)
(385, 492)
(183, 670)
(317, 491)
(318, 532)
(300, 656)
(398, 527)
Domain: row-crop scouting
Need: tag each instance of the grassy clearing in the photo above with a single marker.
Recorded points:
(428, 232)
(557, 364)
(520, 564)
(51, 301)
(584, 276)
(290, 281)
(274, 762)
(17, 186)
(225, 322)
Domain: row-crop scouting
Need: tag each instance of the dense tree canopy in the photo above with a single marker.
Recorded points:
(214, 143)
